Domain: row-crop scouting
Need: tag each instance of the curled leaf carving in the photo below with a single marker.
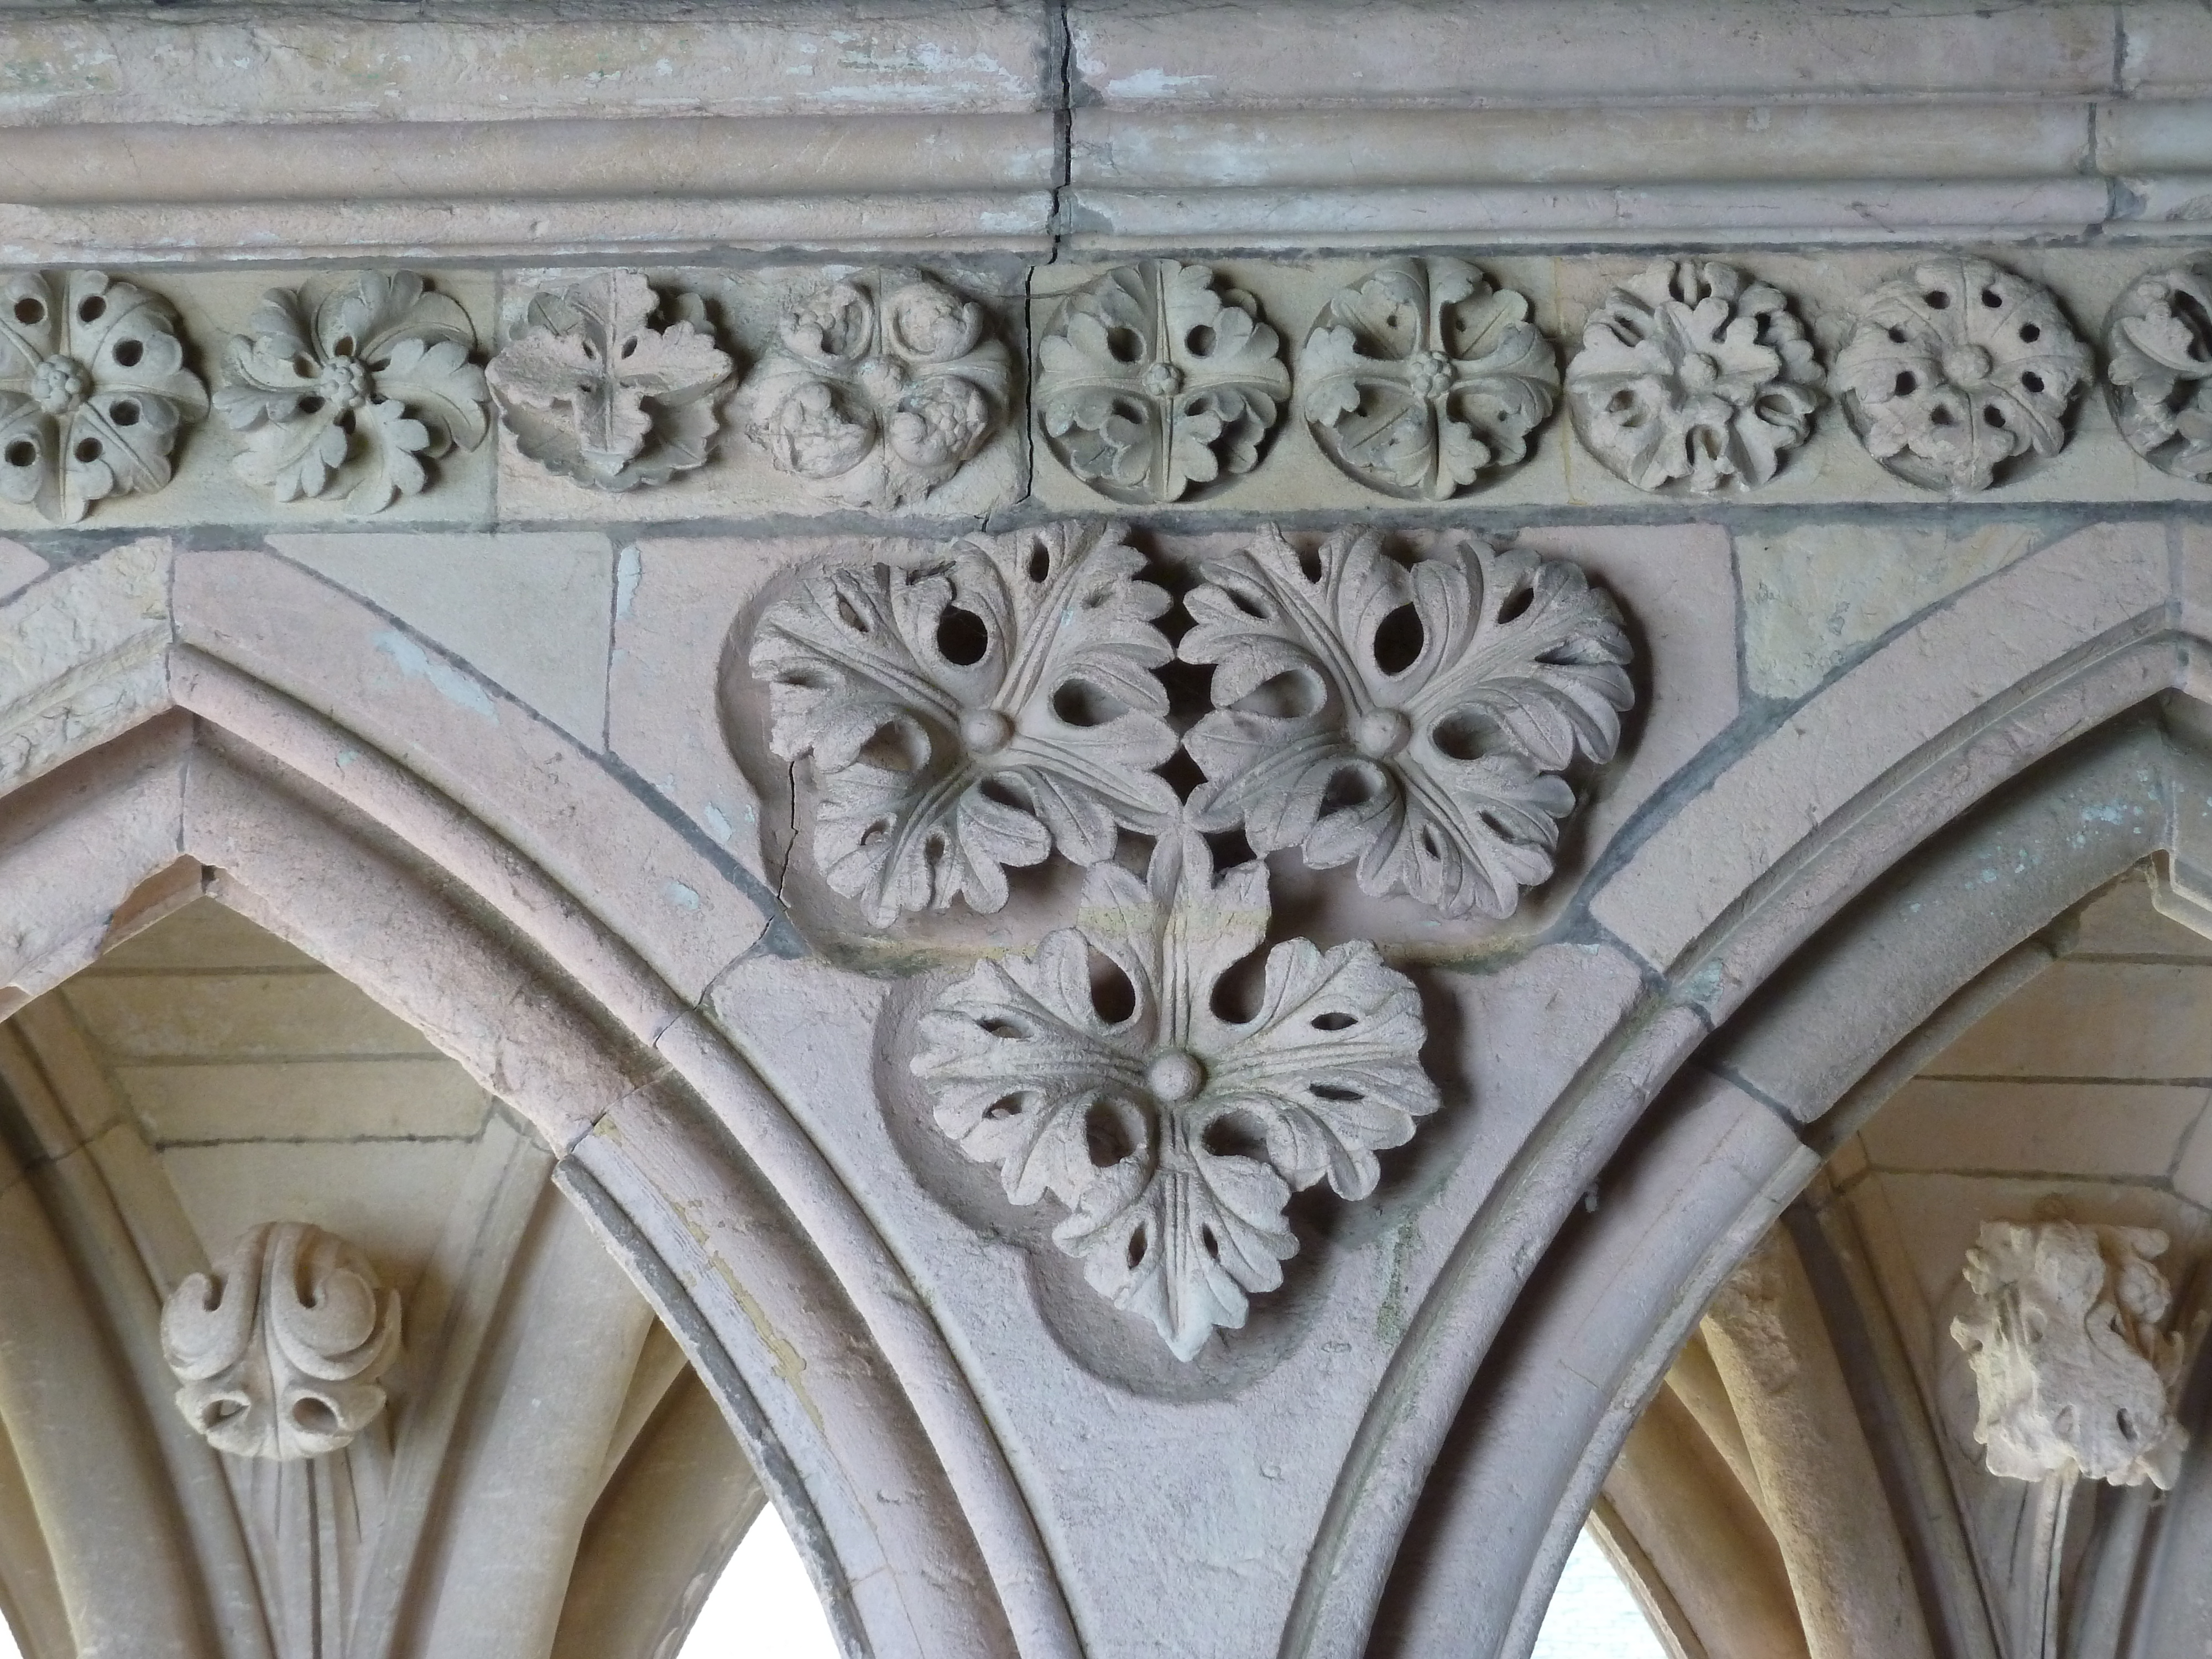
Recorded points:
(2158, 360)
(279, 1347)
(1421, 378)
(594, 390)
(1414, 719)
(880, 387)
(1954, 368)
(972, 713)
(1175, 1132)
(1154, 382)
(94, 391)
(1692, 376)
(352, 390)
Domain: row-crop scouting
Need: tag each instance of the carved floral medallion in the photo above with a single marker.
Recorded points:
(1421, 378)
(1692, 376)
(352, 390)
(611, 383)
(1955, 368)
(1173, 1130)
(94, 391)
(879, 388)
(1155, 382)
(2158, 364)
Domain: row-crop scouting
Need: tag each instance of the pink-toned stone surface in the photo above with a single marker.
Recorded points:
(19, 568)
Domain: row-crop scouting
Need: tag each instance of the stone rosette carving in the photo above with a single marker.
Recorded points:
(612, 383)
(2073, 1375)
(352, 390)
(880, 386)
(280, 1346)
(1414, 719)
(972, 712)
(2158, 369)
(1956, 368)
(1421, 377)
(1155, 382)
(1174, 1132)
(94, 391)
(1692, 376)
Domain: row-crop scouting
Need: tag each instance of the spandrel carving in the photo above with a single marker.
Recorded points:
(1155, 382)
(2158, 363)
(879, 388)
(1173, 1131)
(280, 1346)
(1693, 377)
(1422, 378)
(352, 390)
(1957, 369)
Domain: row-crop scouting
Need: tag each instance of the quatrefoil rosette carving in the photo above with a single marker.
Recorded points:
(1954, 368)
(1175, 1132)
(880, 387)
(94, 391)
(593, 390)
(1422, 377)
(972, 713)
(1692, 376)
(352, 390)
(1155, 382)
(2158, 367)
(1414, 721)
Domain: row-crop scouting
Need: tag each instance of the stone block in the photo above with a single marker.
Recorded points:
(398, 1098)
(2083, 1130)
(87, 658)
(19, 568)
(2133, 1020)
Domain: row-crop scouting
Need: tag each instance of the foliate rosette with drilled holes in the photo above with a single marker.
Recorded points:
(2158, 367)
(594, 390)
(1692, 376)
(1154, 382)
(352, 389)
(880, 387)
(971, 712)
(1421, 378)
(1956, 368)
(94, 391)
(1416, 719)
(1176, 1131)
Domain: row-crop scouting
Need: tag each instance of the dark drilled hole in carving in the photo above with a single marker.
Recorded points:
(2125, 1421)
(1137, 1246)
(896, 746)
(1334, 1019)
(1936, 300)
(1113, 998)
(217, 1413)
(1992, 415)
(123, 412)
(303, 368)
(1124, 345)
(1200, 341)
(88, 450)
(1004, 1107)
(344, 422)
(1233, 1134)
(629, 347)
(1291, 694)
(28, 310)
(997, 788)
(1897, 334)
(315, 1416)
(1309, 563)
(849, 617)
(999, 1026)
(1518, 603)
(1907, 384)
(342, 346)
(91, 309)
(1941, 415)
(963, 637)
(1236, 994)
(1108, 1136)
(1399, 639)
(1992, 299)
(1349, 786)
(1336, 1093)
(1078, 703)
(878, 833)
(310, 405)
(1461, 735)
(21, 452)
(1213, 1244)
(2031, 381)
(128, 353)
(1039, 565)
(2030, 332)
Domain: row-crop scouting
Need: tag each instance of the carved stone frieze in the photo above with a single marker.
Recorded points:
(352, 389)
(1692, 376)
(881, 385)
(1173, 1130)
(1416, 719)
(2158, 367)
(594, 390)
(1421, 378)
(1156, 381)
(2073, 1373)
(971, 712)
(94, 391)
(1956, 368)
(280, 1346)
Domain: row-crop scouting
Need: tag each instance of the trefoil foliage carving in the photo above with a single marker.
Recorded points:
(1692, 376)
(1155, 382)
(2158, 360)
(1416, 719)
(1174, 1131)
(612, 383)
(880, 386)
(1421, 378)
(972, 713)
(94, 391)
(279, 1347)
(352, 390)
(1956, 368)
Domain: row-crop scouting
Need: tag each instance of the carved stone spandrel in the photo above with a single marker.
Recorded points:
(2158, 368)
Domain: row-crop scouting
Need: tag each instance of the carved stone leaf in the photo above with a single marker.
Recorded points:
(1956, 368)
(2158, 364)
(1422, 377)
(1438, 771)
(973, 713)
(593, 392)
(1153, 382)
(1175, 1133)
(1691, 376)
